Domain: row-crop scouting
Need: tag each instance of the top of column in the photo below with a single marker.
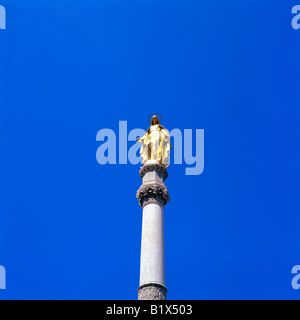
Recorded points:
(155, 153)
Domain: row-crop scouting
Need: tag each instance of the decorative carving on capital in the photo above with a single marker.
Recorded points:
(154, 167)
(152, 194)
(152, 292)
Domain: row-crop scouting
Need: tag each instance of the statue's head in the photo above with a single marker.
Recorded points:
(154, 121)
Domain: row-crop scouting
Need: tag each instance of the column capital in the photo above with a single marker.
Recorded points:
(149, 194)
(153, 189)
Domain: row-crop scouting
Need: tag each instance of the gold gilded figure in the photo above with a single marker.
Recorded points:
(156, 143)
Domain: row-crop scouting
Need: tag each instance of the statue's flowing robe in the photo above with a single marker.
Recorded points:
(165, 146)
(156, 145)
(145, 141)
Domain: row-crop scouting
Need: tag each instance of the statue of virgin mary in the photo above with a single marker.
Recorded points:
(155, 143)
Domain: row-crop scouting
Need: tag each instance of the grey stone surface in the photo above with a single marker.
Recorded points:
(153, 189)
(156, 167)
(153, 193)
(152, 291)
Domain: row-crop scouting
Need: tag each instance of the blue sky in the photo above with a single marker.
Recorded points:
(70, 228)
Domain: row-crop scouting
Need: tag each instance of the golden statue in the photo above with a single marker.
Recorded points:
(155, 143)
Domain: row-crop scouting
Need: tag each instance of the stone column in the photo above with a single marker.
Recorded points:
(153, 195)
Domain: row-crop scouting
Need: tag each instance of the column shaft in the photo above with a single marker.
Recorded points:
(152, 249)
(153, 195)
